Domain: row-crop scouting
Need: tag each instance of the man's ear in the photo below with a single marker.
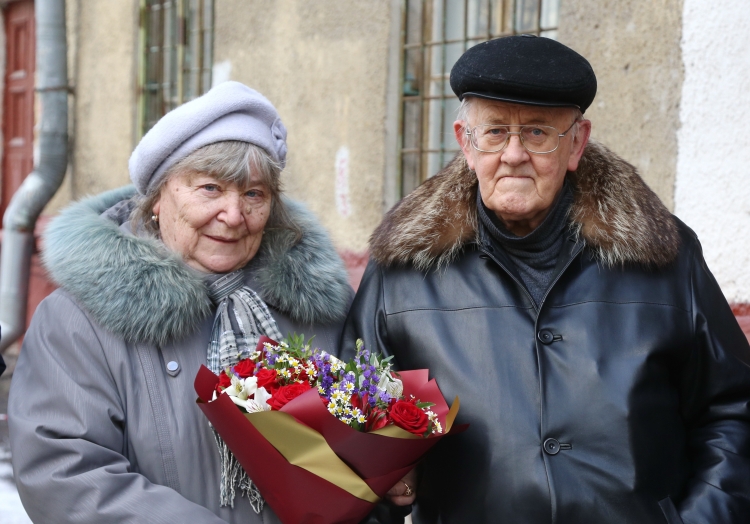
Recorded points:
(459, 129)
(579, 144)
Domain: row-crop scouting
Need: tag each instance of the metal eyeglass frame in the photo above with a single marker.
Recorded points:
(520, 137)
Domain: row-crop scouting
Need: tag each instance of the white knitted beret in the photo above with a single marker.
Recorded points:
(229, 111)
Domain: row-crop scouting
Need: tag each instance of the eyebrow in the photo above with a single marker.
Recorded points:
(531, 122)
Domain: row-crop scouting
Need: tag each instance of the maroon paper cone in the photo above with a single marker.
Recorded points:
(296, 495)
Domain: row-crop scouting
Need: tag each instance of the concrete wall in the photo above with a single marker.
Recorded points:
(712, 193)
(102, 39)
(634, 48)
(324, 66)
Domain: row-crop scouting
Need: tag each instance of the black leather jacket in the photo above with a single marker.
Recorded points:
(622, 399)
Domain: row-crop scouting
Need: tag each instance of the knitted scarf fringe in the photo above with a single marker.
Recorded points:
(234, 477)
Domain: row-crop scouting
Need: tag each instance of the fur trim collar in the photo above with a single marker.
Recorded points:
(137, 289)
(620, 219)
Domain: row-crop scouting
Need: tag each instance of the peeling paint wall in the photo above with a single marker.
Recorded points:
(712, 190)
(634, 48)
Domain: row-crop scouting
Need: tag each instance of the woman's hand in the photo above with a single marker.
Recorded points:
(405, 490)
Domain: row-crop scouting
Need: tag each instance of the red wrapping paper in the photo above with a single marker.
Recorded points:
(299, 496)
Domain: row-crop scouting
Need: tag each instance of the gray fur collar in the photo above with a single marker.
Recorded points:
(136, 289)
(620, 219)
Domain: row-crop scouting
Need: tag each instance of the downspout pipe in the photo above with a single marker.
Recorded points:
(41, 185)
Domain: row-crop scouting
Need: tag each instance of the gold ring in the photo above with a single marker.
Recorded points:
(409, 491)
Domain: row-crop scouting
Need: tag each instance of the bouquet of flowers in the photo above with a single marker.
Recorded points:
(364, 393)
(323, 439)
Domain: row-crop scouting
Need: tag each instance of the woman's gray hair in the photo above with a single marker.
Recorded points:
(229, 161)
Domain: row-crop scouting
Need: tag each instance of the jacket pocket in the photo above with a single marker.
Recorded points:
(670, 512)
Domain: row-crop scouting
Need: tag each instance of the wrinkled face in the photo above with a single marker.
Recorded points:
(216, 226)
(519, 186)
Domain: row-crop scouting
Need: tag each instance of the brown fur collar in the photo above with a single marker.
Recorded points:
(617, 215)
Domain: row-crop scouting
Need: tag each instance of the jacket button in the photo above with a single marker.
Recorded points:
(545, 336)
(173, 368)
(551, 446)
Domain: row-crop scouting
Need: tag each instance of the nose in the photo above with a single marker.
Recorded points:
(233, 210)
(515, 153)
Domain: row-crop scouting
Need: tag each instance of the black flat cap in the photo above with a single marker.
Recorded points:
(525, 69)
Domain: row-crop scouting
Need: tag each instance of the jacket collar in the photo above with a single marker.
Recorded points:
(614, 213)
(137, 289)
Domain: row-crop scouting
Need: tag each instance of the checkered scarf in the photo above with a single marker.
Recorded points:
(241, 319)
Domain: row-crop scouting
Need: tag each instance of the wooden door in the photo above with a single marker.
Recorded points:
(18, 98)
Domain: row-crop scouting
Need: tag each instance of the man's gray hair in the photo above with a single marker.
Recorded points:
(464, 111)
(228, 161)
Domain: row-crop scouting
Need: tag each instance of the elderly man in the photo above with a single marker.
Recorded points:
(603, 375)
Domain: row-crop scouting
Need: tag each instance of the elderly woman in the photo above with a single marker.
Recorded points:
(205, 258)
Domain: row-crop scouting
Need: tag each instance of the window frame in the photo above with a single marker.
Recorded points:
(167, 74)
(502, 19)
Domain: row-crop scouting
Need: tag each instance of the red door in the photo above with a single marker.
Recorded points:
(18, 98)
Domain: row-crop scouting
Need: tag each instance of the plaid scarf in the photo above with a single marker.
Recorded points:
(241, 319)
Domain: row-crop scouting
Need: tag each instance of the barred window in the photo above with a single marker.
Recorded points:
(176, 49)
(435, 33)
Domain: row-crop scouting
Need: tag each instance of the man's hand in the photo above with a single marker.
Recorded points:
(405, 490)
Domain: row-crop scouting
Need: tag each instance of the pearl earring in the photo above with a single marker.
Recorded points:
(155, 218)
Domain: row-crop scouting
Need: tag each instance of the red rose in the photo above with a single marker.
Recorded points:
(224, 382)
(286, 393)
(245, 368)
(409, 417)
(267, 379)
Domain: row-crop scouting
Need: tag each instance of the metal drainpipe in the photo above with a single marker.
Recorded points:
(42, 184)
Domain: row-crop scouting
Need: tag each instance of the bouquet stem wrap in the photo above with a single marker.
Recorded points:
(310, 467)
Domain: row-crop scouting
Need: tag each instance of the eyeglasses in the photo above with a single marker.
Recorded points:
(491, 138)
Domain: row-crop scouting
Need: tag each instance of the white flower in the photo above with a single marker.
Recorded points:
(241, 389)
(260, 402)
(250, 385)
(394, 387)
(239, 401)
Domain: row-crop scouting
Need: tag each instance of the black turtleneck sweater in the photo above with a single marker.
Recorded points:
(535, 255)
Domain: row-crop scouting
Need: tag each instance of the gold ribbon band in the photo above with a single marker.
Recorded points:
(307, 449)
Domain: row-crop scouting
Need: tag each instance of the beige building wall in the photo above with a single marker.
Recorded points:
(634, 48)
(323, 65)
(102, 52)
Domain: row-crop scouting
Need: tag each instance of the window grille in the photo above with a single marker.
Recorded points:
(435, 33)
(176, 49)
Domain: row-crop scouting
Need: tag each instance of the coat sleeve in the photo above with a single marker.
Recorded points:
(715, 393)
(68, 431)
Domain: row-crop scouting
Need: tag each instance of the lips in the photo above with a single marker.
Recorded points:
(223, 240)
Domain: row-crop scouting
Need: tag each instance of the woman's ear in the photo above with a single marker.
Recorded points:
(157, 206)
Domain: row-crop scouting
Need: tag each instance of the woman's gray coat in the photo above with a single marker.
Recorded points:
(103, 429)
